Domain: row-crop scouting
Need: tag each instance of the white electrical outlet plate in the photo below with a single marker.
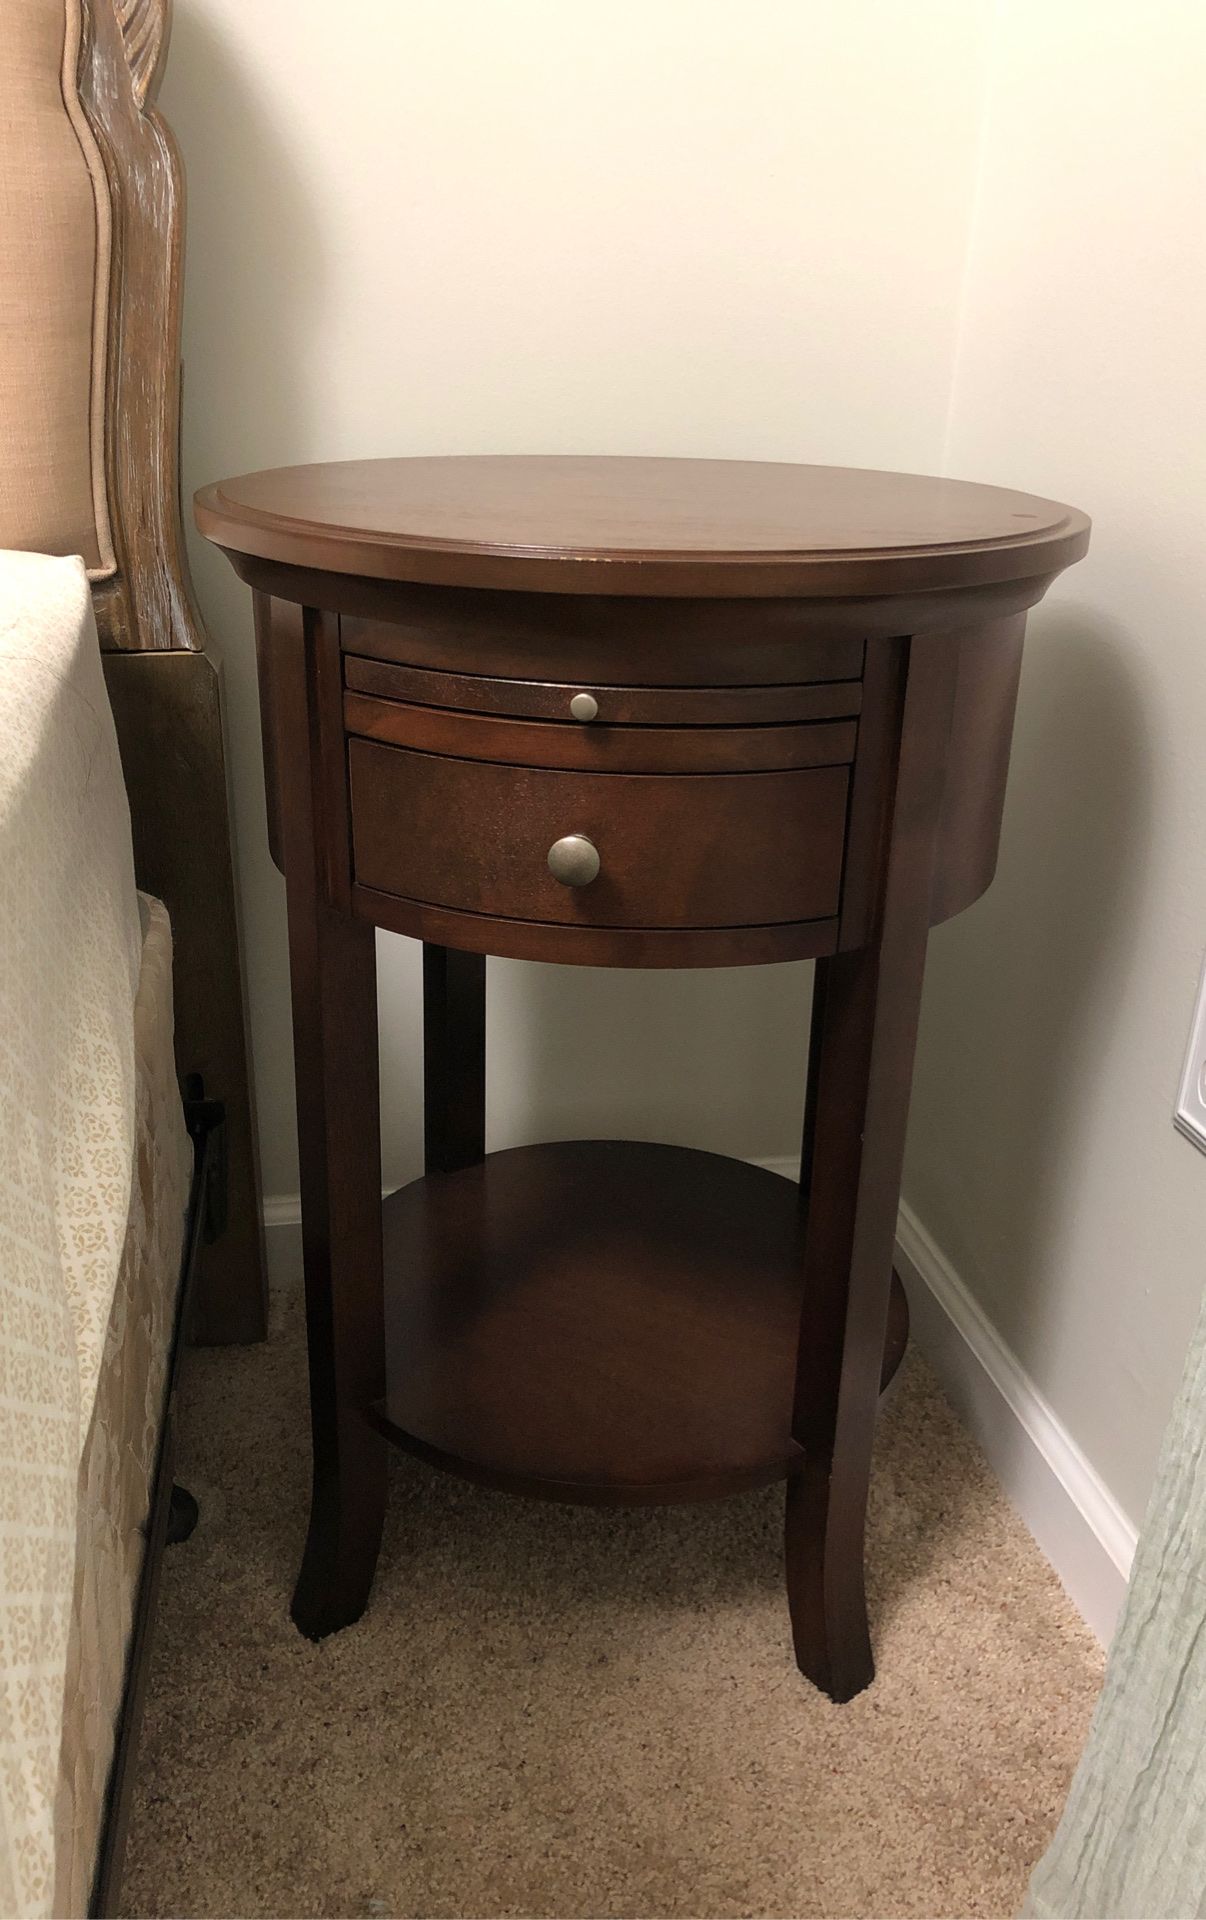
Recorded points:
(1190, 1114)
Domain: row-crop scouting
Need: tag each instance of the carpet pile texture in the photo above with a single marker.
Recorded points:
(554, 1711)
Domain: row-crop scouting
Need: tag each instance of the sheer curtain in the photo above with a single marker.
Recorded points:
(1132, 1841)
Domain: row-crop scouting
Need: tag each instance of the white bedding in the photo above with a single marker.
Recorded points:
(70, 944)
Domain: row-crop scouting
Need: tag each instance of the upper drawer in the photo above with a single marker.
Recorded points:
(601, 748)
(622, 706)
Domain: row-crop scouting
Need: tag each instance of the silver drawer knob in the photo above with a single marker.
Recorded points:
(574, 860)
(584, 706)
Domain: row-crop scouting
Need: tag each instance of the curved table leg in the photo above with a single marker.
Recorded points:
(864, 1032)
(333, 972)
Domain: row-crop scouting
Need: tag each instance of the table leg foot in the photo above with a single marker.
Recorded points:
(347, 1512)
(825, 1589)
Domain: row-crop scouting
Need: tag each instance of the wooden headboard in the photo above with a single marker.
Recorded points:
(91, 282)
(148, 601)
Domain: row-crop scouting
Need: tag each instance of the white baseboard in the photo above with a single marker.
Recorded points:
(282, 1238)
(282, 1212)
(1071, 1513)
(1067, 1506)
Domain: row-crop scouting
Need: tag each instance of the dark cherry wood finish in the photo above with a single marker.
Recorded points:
(678, 850)
(864, 1032)
(618, 706)
(646, 947)
(804, 683)
(553, 1311)
(605, 749)
(454, 1059)
(333, 968)
(616, 526)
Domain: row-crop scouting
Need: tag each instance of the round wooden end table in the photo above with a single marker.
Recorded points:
(631, 713)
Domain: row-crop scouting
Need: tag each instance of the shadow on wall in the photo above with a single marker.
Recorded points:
(253, 287)
(1019, 992)
(255, 271)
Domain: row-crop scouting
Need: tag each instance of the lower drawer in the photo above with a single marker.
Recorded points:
(675, 850)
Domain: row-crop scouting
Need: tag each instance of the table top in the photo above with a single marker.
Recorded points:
(610, 525)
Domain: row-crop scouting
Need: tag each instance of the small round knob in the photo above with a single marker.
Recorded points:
(584, 706)
(574, 860)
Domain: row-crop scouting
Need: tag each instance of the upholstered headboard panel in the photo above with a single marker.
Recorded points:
(91, 234)
(55, 241)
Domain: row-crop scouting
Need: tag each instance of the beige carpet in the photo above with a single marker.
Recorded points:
(550, 1711)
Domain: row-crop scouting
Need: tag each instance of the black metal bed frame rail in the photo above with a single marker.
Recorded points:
(203, 1223)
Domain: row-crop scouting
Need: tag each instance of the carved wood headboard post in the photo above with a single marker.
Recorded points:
(164, 687)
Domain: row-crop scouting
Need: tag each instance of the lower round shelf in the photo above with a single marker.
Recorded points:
(600, 1321)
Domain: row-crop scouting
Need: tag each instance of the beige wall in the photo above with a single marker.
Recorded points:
(690, 227)
(1043, 1159)
(616, 225)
